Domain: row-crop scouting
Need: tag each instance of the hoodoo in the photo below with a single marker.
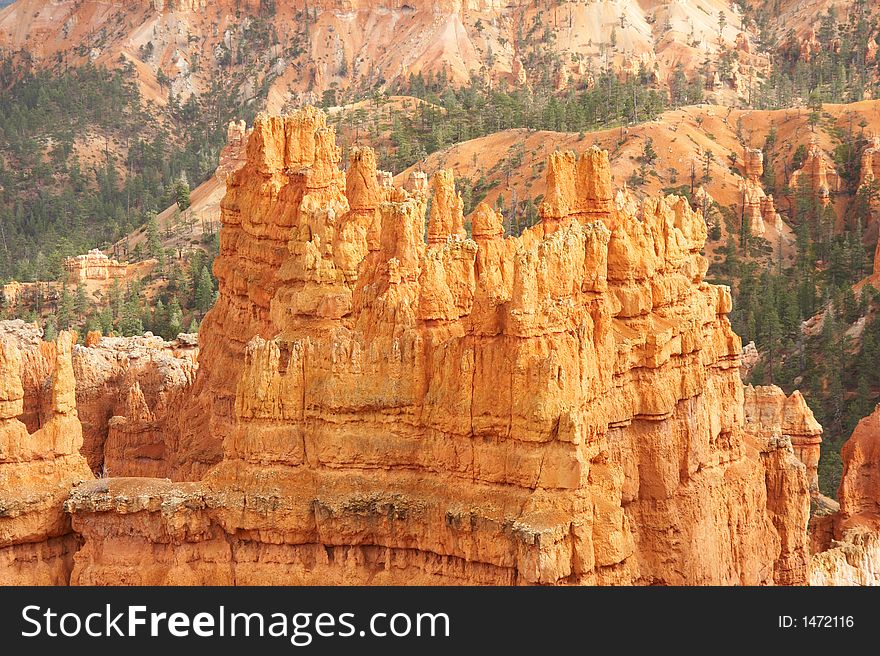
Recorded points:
(559, 407)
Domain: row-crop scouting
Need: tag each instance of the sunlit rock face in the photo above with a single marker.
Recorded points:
(381, 398)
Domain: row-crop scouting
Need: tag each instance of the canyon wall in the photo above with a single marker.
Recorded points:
(770, 413)
(37, 470)
(106, 371)
(561, 407)
(848, 541)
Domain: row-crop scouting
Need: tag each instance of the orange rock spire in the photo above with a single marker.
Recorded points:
(560, 407)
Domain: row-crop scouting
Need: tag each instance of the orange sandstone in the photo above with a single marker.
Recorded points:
(37, 471)
(561, 407)
(848, 542)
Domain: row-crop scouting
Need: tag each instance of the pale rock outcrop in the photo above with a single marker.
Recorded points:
(750, 357)
(94, 265)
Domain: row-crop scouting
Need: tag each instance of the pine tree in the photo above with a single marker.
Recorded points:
(159, 324)
(204, 293)
(154, 242)
(130, 322)
(181, 192)
(849, 305)
(105, 319)
(65, 310)
(862, 404)
(50, 332)
(175, 318)
(678, 86)
(649, 154)
(772, 332)
(81, 303)
(92, 324)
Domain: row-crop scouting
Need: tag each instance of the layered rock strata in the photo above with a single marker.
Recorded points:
(770, 413)
(758, 208)
(817, 174)
(847, 543)
(37, 471)
(94, 265)
(37, 360)
(233, 154)
(106, 369)
(127, 389)
(561, 407)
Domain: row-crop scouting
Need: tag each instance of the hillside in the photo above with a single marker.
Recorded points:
(298, 51)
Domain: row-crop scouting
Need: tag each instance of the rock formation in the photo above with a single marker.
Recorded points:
(759, 208)
(122, 437)
(37, 365)
(234, 153)
(37, 471)
(870, 166)
(817, 174)
(11, 292)
(94, 266)
(770, 413)
(869, 177)
(750, 357)
(847, 543)
(105, 370)
(561, 407)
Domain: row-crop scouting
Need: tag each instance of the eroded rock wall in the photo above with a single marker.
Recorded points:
(37, 471)
(848, 541)
(562, 407)
(770, 413)
(126, 436)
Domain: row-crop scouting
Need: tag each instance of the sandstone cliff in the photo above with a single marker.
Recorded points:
(848, 541)
(771, 414)
(126, 388)
(94, 266)
(758, 208)
(562, 407)
(817, 174)
(37, 471)
(106, 369)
